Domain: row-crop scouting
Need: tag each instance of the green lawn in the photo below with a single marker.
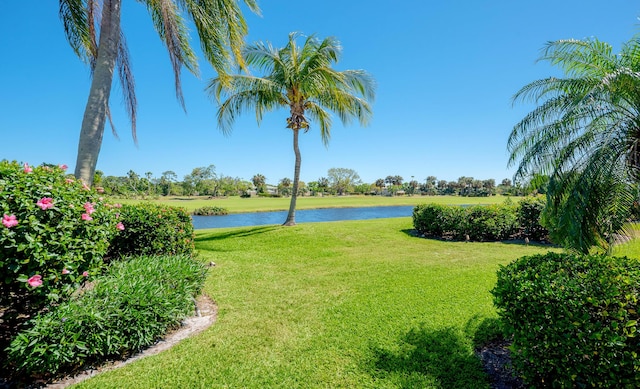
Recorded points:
(236, 204)
(353, 304)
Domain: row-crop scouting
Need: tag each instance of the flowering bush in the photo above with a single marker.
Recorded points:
(54, 233)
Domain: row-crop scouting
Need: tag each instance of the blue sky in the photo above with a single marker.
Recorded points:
(446, 72)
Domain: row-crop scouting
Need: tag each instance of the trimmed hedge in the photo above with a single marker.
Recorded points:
(153, 230)
(129, 308)
(210, 211)
(574, 319)
(482, 223)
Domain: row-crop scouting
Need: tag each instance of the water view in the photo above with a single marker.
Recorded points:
(302, 216)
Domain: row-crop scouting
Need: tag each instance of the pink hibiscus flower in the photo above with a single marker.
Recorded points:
(45, 203)
(89, 208)
(120, 226)
(35, 281)
(9, 221)
(86, 217)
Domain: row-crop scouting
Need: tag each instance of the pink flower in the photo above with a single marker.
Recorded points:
(65, 271)
(86, 217)
(120, 226)
(35, 281)
(117, 205)
(69, 180)
(63, 166)
(9, 221)
(45, 203)
(99, 189)
(89, 208)
(85, 186)
(27, 168)
(85, 273)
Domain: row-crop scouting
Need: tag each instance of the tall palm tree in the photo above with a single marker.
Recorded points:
(584, 134)
(259, 181)
(92, 28)
(301, 79)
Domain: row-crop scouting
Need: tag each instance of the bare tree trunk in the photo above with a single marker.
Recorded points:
(291, 216)
(95, 111)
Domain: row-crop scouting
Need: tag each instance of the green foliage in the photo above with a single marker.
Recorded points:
(577, 144)
(153, 230)
(128, 309)
(210, 211)
(54, 229)
(440, 220)
(574, 319)
(480, 223)
(491, 222)
(529, 214)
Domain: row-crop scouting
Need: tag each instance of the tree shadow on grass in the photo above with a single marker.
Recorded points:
(424, 357)
(240, 232)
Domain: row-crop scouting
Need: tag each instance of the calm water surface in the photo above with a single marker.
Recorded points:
(302, 216)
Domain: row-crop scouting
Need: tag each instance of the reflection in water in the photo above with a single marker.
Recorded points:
(302, 216)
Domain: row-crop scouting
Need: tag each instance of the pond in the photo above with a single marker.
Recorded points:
(302, 216)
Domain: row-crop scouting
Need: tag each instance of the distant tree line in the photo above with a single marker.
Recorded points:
(205, 181)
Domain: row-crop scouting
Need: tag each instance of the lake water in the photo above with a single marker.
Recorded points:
(302, 216)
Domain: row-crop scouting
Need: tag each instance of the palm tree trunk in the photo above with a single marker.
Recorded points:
(95, 112)
(291, 216)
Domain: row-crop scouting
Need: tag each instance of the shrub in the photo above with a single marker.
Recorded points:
(490, 223)
(529, 213)
(54, 233)
(128, 309)
(574, 319)
(481, 223)
(439, 220)
(210, 211)
(154, 230)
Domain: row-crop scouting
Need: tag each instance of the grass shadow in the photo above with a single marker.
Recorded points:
(424, 357)
(235, 233)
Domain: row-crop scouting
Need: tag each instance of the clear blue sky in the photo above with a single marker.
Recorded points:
(446, 72)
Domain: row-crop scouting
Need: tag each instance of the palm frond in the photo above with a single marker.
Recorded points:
(77, 25)
(127, 83)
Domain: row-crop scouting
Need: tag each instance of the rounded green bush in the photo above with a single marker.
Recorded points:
(443, 221)
(574, 319)
(54, 233)
(491, 222)
(153, 230)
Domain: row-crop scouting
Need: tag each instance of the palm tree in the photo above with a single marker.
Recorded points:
(94, 34)
(302, 80)
(259, 181)
(585, 135)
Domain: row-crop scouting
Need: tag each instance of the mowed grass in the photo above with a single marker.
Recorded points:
(236, 204)
(352, 304)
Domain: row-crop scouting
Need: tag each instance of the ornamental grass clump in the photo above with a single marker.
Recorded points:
(55, 231)
(574, 319)
(134, 304)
